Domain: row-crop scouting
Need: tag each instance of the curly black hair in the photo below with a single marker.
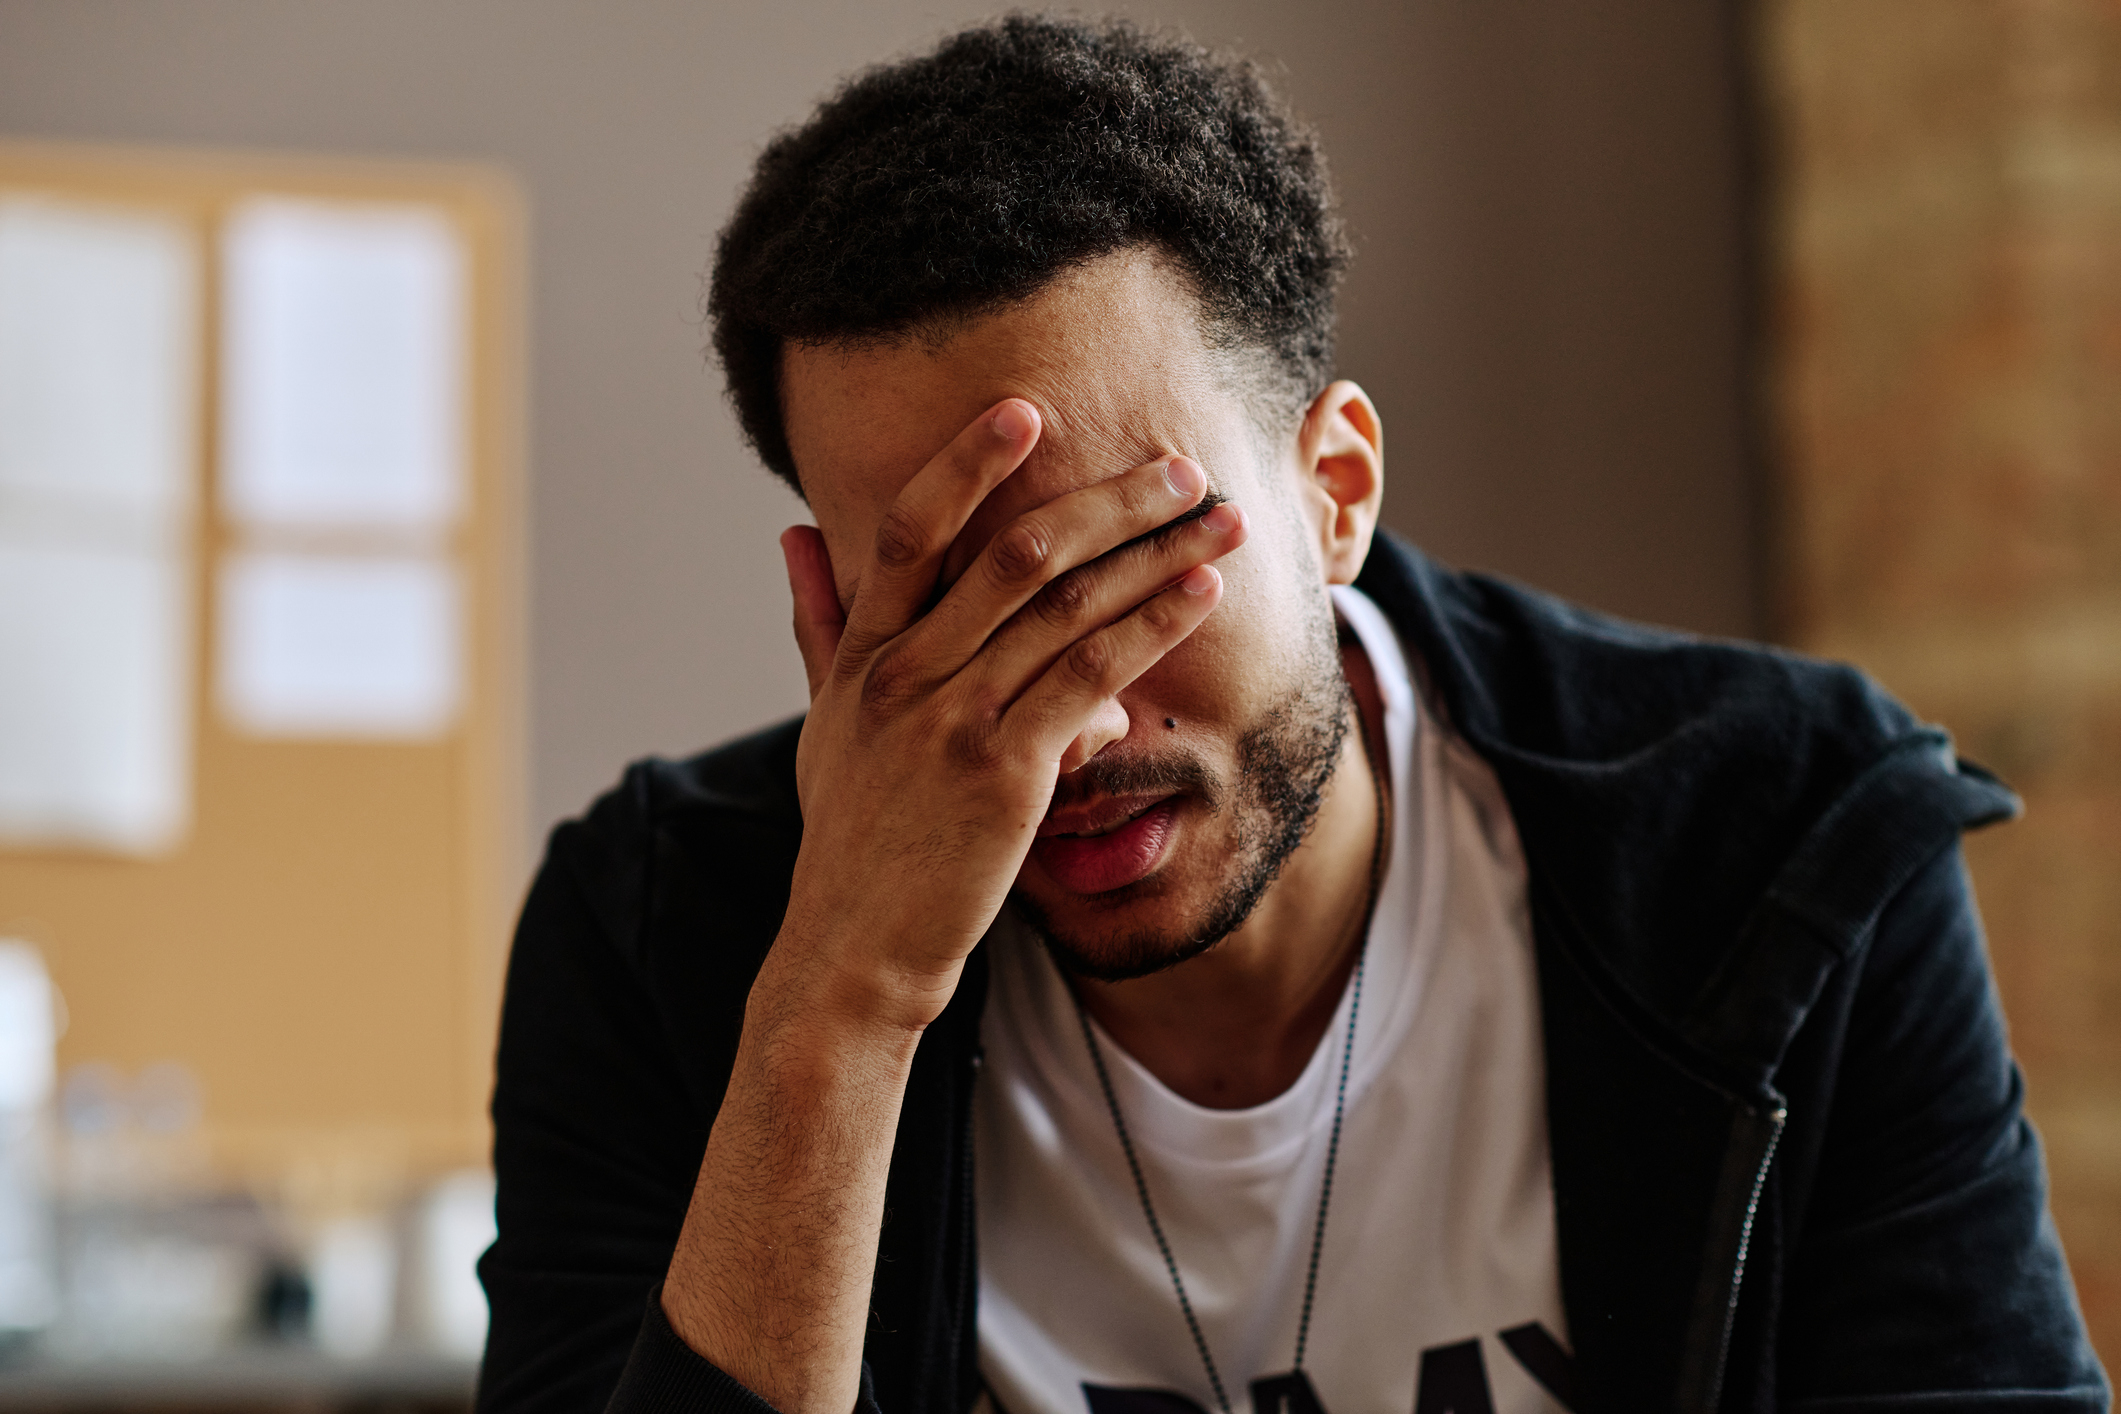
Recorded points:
(967, 178)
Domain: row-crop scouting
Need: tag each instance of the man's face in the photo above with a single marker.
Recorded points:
(1229, 739)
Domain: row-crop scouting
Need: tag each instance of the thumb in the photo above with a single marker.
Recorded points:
(818, 616)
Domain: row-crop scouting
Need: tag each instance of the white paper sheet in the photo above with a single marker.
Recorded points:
(98, 398)
(98, 340)
(339, 646)
(342, 380)
(95, 726)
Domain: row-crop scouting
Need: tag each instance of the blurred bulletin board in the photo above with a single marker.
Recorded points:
(293, 875)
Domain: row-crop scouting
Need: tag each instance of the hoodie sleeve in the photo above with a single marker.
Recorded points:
(596, 1141)
(1927, 1273)
(598, 1133)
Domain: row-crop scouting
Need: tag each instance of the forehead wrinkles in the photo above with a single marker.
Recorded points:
(1117, 392)
(1094, 431)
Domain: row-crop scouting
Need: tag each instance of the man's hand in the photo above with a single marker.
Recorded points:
(934, 740)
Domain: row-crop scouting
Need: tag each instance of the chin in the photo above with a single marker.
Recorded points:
(1135, 931)
(1191, 851)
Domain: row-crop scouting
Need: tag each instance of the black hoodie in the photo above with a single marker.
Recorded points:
(1790, 1167)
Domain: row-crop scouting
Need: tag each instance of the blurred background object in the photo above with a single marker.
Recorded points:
(1771, 318)
(322, 573)
(260, 693)
(29, 1035)
(99, 407)
(1946, 312)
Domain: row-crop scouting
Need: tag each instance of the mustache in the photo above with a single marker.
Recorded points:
(1136, 775)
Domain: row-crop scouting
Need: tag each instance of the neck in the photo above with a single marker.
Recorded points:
(1236, 1026)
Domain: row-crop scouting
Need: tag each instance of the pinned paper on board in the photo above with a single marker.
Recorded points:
(342, 389)
(339, 646)
(339, 610)
(343, 379)
(98, 395)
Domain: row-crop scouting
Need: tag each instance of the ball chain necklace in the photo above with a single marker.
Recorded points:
(1340, 1107)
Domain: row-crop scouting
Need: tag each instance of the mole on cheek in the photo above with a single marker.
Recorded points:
(1171, 722)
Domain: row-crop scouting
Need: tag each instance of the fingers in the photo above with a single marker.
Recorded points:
(934, 506)
(1041, 546)
(1093, 595)
(1097, 668)
(818, 620)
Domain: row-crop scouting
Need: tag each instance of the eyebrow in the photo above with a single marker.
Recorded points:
(1207, 503)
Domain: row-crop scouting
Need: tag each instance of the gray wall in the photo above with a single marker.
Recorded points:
(1547, 304)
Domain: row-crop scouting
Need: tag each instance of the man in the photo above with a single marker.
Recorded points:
(1196, 951)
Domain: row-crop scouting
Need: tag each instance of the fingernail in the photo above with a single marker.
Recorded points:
(1223, 519)
(1199, 580)
(1011, 422)
(1185, 477)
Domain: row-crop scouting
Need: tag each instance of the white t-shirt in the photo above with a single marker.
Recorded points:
(1441, 1227)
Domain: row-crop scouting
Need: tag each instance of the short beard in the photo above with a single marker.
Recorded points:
(1285, 761)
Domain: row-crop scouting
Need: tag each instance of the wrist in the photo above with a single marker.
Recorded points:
(827, 996)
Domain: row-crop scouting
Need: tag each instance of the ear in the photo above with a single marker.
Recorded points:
(1340, 451)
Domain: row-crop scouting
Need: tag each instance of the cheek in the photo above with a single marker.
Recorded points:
(1252, 650)
(1223, 675)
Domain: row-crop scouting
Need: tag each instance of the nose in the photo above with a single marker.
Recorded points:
(1109, 724)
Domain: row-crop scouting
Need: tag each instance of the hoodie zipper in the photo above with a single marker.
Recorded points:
(1752, 1154)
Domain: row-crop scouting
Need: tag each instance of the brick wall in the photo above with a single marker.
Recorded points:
(1946, 393)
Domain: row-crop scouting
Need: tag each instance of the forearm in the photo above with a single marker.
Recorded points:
(771, 1276)
(927, 762)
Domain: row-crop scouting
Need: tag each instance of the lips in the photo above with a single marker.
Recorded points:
(1095, 849)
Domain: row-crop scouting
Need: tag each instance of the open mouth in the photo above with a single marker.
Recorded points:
(1108, 846)
(1102, 831)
